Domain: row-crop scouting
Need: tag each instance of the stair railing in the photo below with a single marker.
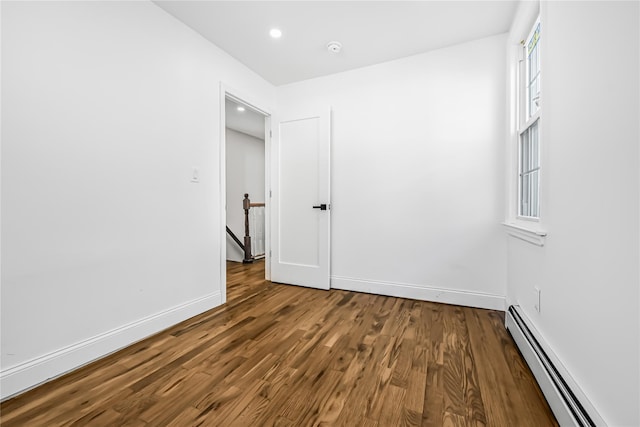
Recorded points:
(246, 246)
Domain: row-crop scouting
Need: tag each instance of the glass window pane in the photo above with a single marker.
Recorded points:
(530, 150)
(533, 72)
(534, 143)
(525, 195)
(524, 152)
(534, 194)
(529, 164)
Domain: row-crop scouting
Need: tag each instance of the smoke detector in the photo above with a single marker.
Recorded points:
(334, 47)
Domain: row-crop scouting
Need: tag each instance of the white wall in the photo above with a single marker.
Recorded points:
(588, 269)
(417, 155)
(245, 174)
(107, 106)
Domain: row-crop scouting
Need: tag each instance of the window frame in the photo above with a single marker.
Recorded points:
(527, 121)
(521, 172)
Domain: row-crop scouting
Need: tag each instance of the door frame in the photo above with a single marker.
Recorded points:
(228, 92)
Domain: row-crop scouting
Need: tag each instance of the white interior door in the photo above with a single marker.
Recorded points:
(301, 198)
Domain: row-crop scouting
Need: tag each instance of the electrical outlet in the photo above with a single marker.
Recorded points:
(536, 303)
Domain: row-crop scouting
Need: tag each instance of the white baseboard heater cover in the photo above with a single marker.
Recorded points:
(564, 404)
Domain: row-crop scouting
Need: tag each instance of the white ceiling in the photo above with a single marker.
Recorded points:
(247, 121)
(370, 31)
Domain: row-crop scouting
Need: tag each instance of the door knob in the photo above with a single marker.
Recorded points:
(322, 207)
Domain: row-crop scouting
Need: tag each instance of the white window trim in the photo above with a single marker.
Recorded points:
(537, 237)
(528, 229)
(526, 125)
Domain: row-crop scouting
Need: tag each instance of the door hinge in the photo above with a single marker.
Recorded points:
(270, 194)
(269, 253)
(270, 134)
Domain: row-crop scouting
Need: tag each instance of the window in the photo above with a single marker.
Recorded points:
(529, 169)
(533, 70)
(529, 141)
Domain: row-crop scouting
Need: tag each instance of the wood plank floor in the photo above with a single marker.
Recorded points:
(278, 355)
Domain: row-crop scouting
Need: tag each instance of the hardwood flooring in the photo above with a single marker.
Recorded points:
(278, 355)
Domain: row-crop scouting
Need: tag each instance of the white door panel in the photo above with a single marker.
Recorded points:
(300, 231)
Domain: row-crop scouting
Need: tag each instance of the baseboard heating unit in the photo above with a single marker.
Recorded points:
(565, 399)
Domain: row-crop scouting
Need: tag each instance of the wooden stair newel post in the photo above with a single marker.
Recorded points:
(246, 205)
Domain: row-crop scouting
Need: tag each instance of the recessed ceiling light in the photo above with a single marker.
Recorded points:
(275, 33)
(240, 108)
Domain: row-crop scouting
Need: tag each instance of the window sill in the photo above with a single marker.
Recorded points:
(535, 237)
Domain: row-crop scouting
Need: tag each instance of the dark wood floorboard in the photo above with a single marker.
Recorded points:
(278, 355)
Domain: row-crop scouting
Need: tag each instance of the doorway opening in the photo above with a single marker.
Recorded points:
(245, 143)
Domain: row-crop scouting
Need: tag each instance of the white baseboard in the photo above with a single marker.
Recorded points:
(566, 399)
(29, 374)
(423, 293)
